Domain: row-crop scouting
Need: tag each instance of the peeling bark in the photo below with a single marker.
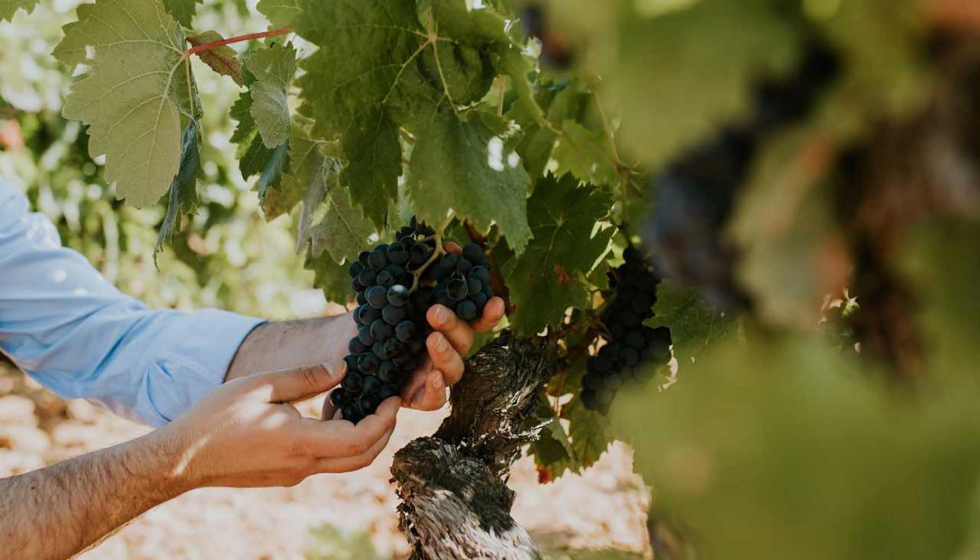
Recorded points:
(455, 501)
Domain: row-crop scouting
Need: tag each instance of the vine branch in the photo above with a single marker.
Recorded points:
(239, 39)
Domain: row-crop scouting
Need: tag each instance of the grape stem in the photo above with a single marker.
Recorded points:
(499, 287)
(239, 39)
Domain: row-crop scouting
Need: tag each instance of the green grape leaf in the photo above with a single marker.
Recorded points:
(183, 199)
(133, 110)
(330, 277)
(363, 69)
(695, 325)
(589, 155)
(552, 451)
(281, 13)
(223, 59)
(182, 10)
(547, 279)
(588, 431)
(329, 220)
(364, 87)
(9, 7)
(254, 158)
(466, 164)
(273, 70)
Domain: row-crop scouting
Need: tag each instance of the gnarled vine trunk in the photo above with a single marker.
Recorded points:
(455, 503)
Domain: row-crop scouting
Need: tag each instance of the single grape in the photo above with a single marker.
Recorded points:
(466, 310)
(367, 363)
(377, 296)
(372, 385)
(379, 350)
(364, 335)
(393, 348)
(473, 252)
(418, 254)
(480, 273)
(380, 330)
(339, 397)
(397, 253)
(393, 315)
(474, 287)
(398, 295)
(356, 347)
(369, 315)
(388, 371)
(367, 277)
(352, 382)
(480, 300)
(362, 257)
(388, 390)
(368, 404)
(463, 267)
(354, 269)
(406, 331)
(385, 279)
(457, 289)
(448, 263)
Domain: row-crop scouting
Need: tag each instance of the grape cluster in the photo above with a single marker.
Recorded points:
(396, 283)
(632, 348)
(698, 191)
(462, 282)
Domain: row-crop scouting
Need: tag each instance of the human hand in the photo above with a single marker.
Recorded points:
(247, 434)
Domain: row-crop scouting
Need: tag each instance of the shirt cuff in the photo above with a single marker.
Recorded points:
(192, 361)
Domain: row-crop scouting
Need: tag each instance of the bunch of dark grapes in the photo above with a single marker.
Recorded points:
(462, 282)
(632, 348)
(396, 284)
(697, 192)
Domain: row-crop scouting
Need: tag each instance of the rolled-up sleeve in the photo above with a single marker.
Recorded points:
(76, 334)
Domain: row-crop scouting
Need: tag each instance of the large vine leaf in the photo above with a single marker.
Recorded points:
(547, 279)
(273, 69)
(695, 325)
(381, 71)
(223, 59)
(465, 164)
(9, 7)
(133, 98)
(182, 10)
(353, 81)
(329, 220)
(183, 198)
(281, 13)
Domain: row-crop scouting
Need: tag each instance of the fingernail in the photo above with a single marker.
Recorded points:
(442, 315)
(335, 367)
(437, 382)
(442, 344)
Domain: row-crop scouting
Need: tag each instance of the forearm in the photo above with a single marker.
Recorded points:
(63, 509)
(286, 345)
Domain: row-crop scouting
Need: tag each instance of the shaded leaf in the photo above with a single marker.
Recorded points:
(223, 59)
(273, 70)
(9, 7)
(183, 199)
(465, 164)
(281, 13)
(587, 154)
(694, 324)
(182, 10)
(547, 279)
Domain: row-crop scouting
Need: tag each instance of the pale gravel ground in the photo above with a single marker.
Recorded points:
(604, 508)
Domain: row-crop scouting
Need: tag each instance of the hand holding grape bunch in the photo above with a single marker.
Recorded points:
(403, 288)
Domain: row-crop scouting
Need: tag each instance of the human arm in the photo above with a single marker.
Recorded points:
(243, 434)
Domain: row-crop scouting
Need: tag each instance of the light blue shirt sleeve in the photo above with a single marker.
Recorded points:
(76, 334)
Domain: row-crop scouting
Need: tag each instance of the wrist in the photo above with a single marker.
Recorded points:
(168, 460)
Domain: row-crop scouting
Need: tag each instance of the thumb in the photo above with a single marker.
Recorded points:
(296, 384)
